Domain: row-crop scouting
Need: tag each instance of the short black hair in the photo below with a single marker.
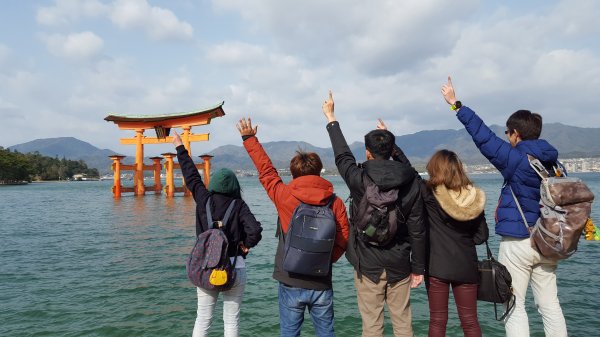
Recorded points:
(528, 124)
(380, 143)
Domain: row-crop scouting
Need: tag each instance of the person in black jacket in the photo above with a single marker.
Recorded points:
(383, 275)
(243, 232)
(456, 223)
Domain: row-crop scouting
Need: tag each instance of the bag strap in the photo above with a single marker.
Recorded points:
(489, 251)
(540, 169)
(209, 217)
(519, 207)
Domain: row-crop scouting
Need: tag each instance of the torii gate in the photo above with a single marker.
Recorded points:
(162, 124)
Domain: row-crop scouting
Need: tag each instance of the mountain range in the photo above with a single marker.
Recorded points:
(570, 141)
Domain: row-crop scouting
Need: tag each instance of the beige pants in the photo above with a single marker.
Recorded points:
(373, 296)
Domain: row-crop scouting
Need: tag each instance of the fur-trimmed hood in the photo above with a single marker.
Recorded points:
(462, 206)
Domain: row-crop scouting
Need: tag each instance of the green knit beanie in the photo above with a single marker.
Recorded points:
(224, 181)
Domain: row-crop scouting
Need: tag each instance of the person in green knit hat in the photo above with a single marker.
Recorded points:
(242, 229)
(225, 182)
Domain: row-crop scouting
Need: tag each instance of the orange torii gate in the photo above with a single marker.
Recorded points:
(162, 124)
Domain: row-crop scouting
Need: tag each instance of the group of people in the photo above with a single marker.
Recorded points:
(440, 220)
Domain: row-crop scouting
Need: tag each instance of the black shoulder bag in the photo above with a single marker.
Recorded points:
(495, 284)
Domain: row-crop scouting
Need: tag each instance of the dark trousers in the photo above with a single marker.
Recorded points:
(465, 296)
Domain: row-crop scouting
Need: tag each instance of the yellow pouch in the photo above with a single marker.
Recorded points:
(218, 277)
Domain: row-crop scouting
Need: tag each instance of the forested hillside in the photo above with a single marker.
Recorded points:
(17, 167)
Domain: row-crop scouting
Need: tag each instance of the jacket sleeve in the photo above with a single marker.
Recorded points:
(399, 156)
(252, 228)
(498, 151)
(482, 232)
(344, 159)
(267, 173)
(341, 229)
(192, 178)
(416, 232)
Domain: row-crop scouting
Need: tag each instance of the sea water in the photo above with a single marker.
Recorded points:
(76, 262)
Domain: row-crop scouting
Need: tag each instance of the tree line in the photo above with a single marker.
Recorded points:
(17, 167)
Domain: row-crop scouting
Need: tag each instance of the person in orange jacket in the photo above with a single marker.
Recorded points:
(298, 292)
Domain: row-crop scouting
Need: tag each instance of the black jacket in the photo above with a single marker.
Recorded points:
(407, 254)
(242, 225)
(452, 253)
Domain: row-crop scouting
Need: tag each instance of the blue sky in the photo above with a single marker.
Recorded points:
(65, 65)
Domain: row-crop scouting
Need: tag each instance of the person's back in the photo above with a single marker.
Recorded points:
(242, 230)
(510, 157)
(299, 291)
(383, 274)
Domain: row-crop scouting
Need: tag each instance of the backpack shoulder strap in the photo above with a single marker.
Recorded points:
(228, 213)
(538, 167)
(209, 217)
(331, 200)
(519, 207)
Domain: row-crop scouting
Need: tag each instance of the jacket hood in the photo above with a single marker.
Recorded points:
(225, 182)
(462, 206)
(539, 148)
(311, 189)
(389, 174)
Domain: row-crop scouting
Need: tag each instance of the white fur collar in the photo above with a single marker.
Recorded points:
(462, 206)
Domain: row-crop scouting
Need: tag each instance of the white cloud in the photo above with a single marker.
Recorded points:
(68, 11)
(389, 60)
(158, 23)
(76, 46)
(236, 53)
(380, 39)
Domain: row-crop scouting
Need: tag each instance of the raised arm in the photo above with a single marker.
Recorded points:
(497, 150)
(267, 173)
(344, 159)
(397, 154)
(192, 178)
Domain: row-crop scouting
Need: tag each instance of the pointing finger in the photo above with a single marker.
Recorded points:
(330, 95)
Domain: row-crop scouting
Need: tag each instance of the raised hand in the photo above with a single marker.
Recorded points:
(328, 108)
(448, 92)
(245, 128)
(176, 139)
(381, 124)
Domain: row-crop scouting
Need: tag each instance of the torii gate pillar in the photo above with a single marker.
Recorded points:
(140, 189)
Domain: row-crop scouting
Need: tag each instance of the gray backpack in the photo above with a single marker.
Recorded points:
(565, 207)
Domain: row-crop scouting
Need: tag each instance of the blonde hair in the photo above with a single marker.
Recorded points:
(445, 168)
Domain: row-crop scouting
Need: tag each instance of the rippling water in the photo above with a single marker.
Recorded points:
(76, 262)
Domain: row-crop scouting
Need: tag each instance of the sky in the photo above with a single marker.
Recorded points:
(66, 64)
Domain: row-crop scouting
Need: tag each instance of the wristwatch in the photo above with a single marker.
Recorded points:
(457, 105)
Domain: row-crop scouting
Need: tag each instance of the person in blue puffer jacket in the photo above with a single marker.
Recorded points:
(510, 157)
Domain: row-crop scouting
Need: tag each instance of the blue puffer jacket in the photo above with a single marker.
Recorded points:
(514, 166)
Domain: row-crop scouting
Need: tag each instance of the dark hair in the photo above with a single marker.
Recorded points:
(445, 168)
(527, 124)
(380, 143)
(305, 163)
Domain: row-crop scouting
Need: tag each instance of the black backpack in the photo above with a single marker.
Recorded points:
(376, 215)
(309, 240)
